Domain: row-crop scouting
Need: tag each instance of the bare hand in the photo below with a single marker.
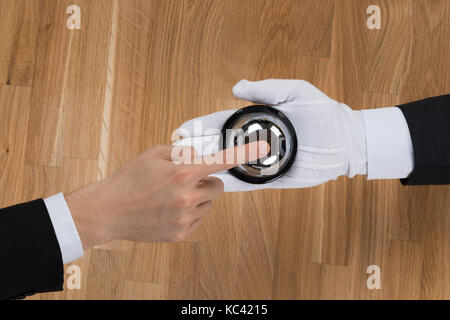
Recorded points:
(151, 198)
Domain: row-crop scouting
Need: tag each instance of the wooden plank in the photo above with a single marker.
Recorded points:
(183, 271)
(374, 234)
(436, 246)
(388, 48)
(47, 111)
(45, 181)
(426, 70)
(338, 282)
(147, 262)
(132, 290)
(401, 276)
(105, 265)
(14, 115)
(255, 226)
(86, 83)
(218, 251)
(371, 60)
(312, 24)
(18, 26)
(132, 33)
(296, 275)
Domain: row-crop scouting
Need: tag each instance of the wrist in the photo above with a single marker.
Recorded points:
(87, 213)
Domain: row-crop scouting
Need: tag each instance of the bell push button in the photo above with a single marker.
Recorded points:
(261, 123)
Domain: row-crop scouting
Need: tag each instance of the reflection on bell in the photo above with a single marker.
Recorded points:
(262, 123)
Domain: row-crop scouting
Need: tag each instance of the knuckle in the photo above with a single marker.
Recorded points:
(185, 201)
(186, 154)
(183, 176)
(178, 236)
(182, 221)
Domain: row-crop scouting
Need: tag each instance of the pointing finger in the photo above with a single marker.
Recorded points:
(231, 157)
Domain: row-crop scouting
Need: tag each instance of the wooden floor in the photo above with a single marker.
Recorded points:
(76, 105)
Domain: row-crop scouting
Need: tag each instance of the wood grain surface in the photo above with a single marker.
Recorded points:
(77, 104)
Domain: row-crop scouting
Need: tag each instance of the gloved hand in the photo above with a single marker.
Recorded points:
(331, 136)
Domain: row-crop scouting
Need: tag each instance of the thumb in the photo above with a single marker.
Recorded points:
(277, 91)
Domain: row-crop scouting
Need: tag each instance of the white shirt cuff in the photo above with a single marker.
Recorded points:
(390, 153)
(65, 229)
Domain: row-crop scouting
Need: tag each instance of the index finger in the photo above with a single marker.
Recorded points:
(232, 157)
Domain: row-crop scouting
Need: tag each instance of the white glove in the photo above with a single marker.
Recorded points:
(331, 136)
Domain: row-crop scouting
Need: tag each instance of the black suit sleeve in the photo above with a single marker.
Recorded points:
(429, 124)
(30, 257)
